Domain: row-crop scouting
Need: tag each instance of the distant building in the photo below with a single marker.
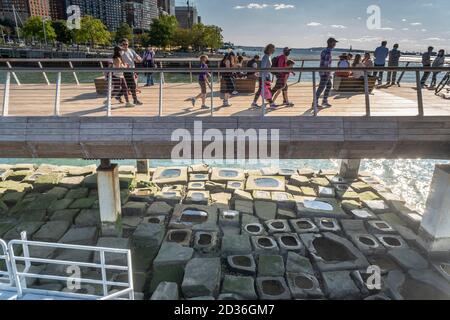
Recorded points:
(58, 9)
(109, 11)
(7, 9)
(167, 6)
(140, 13)
(39, 8)
(186, 16)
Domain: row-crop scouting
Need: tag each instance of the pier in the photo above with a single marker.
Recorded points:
(160, 217)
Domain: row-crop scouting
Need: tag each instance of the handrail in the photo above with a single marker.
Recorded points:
(20, 277)
(5, 276)
(222, 70)
(10, 70)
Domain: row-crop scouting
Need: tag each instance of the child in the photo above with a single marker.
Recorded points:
(282, 85)
(203, 82)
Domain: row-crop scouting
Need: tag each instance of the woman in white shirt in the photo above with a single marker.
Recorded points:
(358, 74)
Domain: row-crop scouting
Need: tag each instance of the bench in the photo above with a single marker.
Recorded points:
(242, 85)
(101, 86)
(349, 84)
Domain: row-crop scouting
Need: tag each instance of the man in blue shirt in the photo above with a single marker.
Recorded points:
(381, 53)
(326, 59)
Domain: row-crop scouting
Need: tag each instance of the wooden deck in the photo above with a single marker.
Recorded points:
(342, 132)
(38, 100)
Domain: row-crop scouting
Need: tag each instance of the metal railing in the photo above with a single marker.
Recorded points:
(215, 79)
(18, 279)
(6, 278)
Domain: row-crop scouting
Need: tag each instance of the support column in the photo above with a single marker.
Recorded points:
(142, 166)
(350, 168)
(109, 198)
(435, 227)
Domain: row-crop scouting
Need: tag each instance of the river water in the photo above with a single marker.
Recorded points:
(409, 178)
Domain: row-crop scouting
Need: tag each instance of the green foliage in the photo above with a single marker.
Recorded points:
(63, 34)
(34, 28)
(200, 37)
(92, 31)
(124, 31)
(162, 31)
(183, 38)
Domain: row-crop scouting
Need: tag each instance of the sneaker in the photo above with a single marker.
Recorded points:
(273, 106)
(138, 103)
(119, 99)
(235, 93)
(226, 104)
(325, 104)
(129, 105)
(255, 105)
(289, 104)
(193, 102)
(205, 107)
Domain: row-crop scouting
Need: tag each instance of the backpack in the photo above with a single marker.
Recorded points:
(275, 65)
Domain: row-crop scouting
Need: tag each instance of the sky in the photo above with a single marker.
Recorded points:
(413, 24)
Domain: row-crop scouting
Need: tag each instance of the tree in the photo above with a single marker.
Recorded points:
(63, 34)
(92, 31)
(124, 31)
(34, 28)
(213, 37)
(162, 31)
(206, 37)
(183, 38)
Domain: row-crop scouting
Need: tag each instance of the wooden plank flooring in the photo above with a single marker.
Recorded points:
(38, 100)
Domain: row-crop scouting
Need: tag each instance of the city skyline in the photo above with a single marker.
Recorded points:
(302, 24)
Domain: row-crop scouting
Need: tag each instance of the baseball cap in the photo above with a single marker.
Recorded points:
(287, 49)
(332, 40)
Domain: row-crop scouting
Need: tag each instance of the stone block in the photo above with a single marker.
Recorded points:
(242, 264)
(242, 286)
(272, 288)
(271, 266)
(166, 291)
(201, 277)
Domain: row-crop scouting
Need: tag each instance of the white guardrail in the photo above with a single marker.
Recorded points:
(12, 279)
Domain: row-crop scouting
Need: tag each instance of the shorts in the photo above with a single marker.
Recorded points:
(281, 84)
(202, 86)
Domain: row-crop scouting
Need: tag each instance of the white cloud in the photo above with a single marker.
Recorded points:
(387, 29)
(259, 6)
(338, 26)
(416, 23)
(434, 39)
(253, 6)
(314, 24)
(282, 6)
(405, 29)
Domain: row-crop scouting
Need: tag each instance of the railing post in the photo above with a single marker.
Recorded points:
(43, 73)
(300, 73)
(104, 279)
(366, 92)
(161, 83)
(130, 275)
(212, 94)
(14, 74)
(314, 94)
(419, 94)
(190, 69)
(6, 95)
(58, 95)
(74, 74)
(263, 96)
(162, 74)
(403, 73)
(109, 95)
(18, 282)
